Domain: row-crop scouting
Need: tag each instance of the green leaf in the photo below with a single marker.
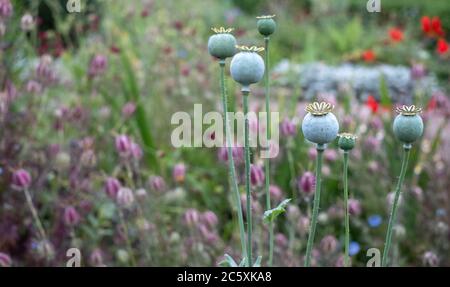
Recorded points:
(257, 262)
(228, 261)
(132, 89)
(270, 215)
(384, 93)
(106, 211)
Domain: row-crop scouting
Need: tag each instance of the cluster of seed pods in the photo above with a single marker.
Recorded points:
(319, 126)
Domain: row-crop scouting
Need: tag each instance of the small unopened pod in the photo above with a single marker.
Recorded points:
(408, 125)
(320, 125)
(346, 141)
(222, 45)
(266, 25)
(247, 66)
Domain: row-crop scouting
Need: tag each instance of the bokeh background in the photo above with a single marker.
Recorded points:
(86, 101)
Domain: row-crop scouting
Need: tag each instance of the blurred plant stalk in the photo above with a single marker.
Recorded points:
(245, 94)
(347, 220)
(312, 231)
(393, 216)
(231, 166)
(37, 221)
(268, 135)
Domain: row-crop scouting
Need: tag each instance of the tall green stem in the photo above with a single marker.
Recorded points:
(347, 220)
(245, 94)
(291, 170)
(398, 190)
(231, 166)
(312, 230)
(268, 135)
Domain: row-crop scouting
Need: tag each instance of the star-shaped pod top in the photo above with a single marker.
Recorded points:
(408, 110)
(222, 30)
(319, 109)
(250, 49)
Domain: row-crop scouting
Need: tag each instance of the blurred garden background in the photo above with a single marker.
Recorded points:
(86, 101)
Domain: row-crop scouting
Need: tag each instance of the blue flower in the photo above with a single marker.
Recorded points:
(374, 220)
(441, 212)
(34, 245)
(353, 248)
(182, 54)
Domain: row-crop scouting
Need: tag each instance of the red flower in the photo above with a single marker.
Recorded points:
(114, 49)
(432, 27)
(368, 56)
(436, 26)
(432, 104)
(396, 34)
(442, 46)
(426, 24)
(372, 103)
(178, 25)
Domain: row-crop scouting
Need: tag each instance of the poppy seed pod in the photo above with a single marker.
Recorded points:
(222, 45)
(346, 141)
(408, 125)
(247, 67)
(266, 25)
(320, 126)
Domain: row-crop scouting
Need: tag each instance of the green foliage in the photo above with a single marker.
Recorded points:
(272, 214)
(248, 6)
(384, 93)
(228, 261)
(143, 122)
(347, 37)
(405, 10)
(164, 70)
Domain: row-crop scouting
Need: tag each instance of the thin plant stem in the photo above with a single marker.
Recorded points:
(291, 170)
(247, 180)
(35, 215)
(37, 221)
(268, 135)
(312, 230)
(130, 182)
(347, 220)
(127, 238)
(231, 166)
(392, 218)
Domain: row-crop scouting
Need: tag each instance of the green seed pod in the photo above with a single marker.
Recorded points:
(346, 141)
(247, 67)
(266, 25)
(320, 125)
(222, 45)
(408, 125)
